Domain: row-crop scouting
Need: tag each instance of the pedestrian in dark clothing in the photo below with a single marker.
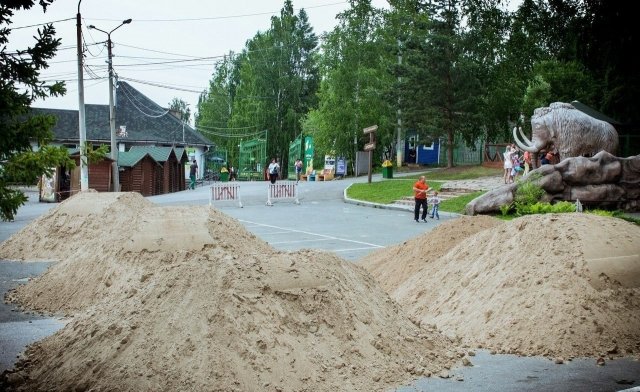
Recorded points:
(193, 171)
(274, 169)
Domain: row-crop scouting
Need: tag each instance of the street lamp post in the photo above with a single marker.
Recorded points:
(84, 170)
(112, 110)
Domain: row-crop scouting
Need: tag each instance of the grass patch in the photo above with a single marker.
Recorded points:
(385, 192)
(463, 173)
(630, 219)
(388, 191)
(457, 173)
(613, 214)
(457, 204)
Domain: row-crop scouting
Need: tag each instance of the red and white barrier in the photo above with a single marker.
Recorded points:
(223, 191)
(282, 190)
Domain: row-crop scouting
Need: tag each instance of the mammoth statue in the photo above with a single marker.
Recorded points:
(572, 132)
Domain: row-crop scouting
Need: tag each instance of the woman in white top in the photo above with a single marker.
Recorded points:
(508, 165)
(274, 169)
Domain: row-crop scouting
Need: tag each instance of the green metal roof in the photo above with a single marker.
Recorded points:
(131, 158)
(160, 154)
(180, 152)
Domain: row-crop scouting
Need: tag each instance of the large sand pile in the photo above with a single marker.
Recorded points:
(392, 266)
(83, 223)
(105, 241)
(186, 299)
(562, 285)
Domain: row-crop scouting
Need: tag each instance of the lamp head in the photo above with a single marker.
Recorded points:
(127, 21)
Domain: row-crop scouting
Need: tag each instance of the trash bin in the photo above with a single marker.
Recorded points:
(224, 176)
(387, 172)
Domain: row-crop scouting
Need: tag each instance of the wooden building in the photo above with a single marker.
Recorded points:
(139, 172)
(173, 161)
(140, 124)
(99, 175)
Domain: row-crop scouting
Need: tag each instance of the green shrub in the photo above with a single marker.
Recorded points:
(545, 208)
(528, 191)
(563, 206)
(504, 209)
(600, 212)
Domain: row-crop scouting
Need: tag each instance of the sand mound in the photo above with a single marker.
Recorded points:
(393, 265)
(217, 309)
(529, 287)
(82, 221)
(107, 241)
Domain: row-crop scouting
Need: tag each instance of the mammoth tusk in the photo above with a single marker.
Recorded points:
(524, 137)
(531, 148)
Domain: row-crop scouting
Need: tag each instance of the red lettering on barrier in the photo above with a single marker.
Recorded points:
(288, 189)
(225, 192)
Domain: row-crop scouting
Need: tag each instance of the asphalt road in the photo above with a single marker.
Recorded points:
(324, 221)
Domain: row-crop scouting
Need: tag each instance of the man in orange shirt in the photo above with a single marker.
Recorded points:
(420, 189)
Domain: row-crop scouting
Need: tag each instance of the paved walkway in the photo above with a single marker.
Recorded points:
(477, 184)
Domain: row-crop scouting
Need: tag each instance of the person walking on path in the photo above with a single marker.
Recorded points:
(435, 205)
(420, 189)
(298, 166)
(193, 171)
(274, 168)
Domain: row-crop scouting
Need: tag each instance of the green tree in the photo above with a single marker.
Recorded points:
(498, 70)
(269, 86)
(181, 107)
(572, 47)
(215, 108)
(19, 87)
(607, 37)
(441, 89)
(537, 95)
(354, 83)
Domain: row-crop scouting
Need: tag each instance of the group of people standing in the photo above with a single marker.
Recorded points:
(420, 189)
(514, 163)
(549, 157)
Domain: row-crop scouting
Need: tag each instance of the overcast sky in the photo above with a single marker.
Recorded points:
(161, 31)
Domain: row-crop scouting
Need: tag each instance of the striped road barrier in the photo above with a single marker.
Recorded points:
(282, 190)
(224, 191)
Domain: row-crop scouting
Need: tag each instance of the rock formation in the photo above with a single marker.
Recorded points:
(603, 180)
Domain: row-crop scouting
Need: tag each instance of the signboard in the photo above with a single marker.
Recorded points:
(370, 146)
(329, 163)
(370, 129)
(308, 154)
(341, 167)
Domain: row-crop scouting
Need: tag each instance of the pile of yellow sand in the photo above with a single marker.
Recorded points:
(562, 285)
(168, 299)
